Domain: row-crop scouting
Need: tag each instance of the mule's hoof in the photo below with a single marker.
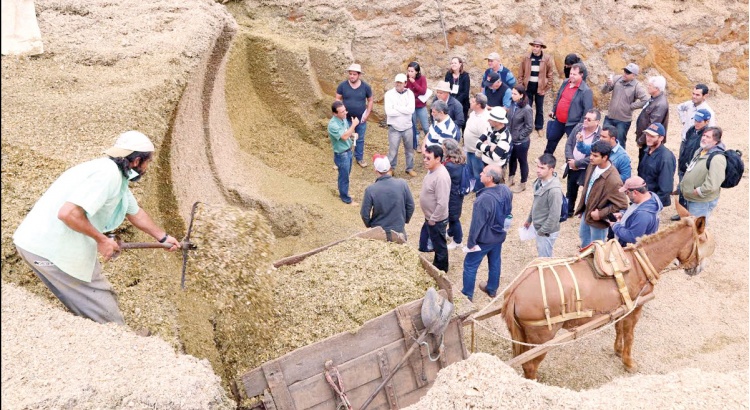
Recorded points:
(618, 353)
(633, 368)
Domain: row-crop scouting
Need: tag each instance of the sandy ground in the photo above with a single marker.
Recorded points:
(113, 66)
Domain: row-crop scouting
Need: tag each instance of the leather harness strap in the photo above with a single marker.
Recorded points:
(563, 316)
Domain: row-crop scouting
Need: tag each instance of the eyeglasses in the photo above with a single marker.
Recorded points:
(589, 119)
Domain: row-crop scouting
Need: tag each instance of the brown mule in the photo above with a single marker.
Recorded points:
(572, 295)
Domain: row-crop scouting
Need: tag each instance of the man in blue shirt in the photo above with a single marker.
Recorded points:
(357, 97)
(487, 233)
(619, 157)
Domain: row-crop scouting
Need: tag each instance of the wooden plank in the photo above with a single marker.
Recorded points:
(437, 275)
(364, 370)
(574, 333)
(409, 329)
(276, 383)
(372, 233)
(340, 348)
(385, 371)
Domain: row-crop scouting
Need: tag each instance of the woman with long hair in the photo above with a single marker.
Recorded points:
(454, 161)
(520, 123)
(417, 83)
(456, 75)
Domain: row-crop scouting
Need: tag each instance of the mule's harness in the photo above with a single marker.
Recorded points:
(640, 256)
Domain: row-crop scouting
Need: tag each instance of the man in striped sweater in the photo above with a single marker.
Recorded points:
(442, 127)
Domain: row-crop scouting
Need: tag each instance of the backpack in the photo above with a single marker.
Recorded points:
(467, 181)
(564, 212)
(735, 167)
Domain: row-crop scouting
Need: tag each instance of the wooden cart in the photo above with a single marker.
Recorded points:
(349, 366)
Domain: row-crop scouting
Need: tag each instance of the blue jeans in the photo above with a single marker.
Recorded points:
(472, 262)
(359, 150)
(420, 114)
(437, 235)
(396, 138)
(344, 162)
(544, 244)
(622, 129)
(477, 165)
(589, 234)
(697, 209)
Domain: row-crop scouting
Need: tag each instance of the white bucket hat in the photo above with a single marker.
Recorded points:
(355, 67)
(129, 142)
(498, 114)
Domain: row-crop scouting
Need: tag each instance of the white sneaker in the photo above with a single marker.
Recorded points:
(453, 245)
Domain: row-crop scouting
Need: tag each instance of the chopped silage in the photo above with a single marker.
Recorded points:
(338, 290)
(259, 313)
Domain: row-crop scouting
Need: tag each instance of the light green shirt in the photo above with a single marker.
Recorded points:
(337, 128)
(96, 186)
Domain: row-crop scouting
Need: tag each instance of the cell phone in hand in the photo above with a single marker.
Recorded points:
(612, 217)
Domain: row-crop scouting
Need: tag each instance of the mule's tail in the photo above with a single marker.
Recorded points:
(516, 332)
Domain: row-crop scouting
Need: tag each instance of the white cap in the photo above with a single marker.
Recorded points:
(129, 142)
(400, 78)
(381, 164)
(443, 86)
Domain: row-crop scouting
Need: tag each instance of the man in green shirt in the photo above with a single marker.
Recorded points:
(340, 132)
(63, 232)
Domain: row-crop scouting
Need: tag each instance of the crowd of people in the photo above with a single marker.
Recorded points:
(486, 137)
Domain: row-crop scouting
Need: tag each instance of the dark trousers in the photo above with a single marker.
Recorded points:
(622, 129)
(520, 156)
(538, 100)
(573, 188)
(438, 236)
(555, 132)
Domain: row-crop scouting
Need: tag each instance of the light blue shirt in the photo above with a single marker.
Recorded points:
(96, 186)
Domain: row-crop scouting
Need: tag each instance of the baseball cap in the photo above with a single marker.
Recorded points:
(129, 142)
(632, 68)
(493, 56)
(381, 163)
(400, 78)
(490, 79)
(633, 183)
(702, 115)
(656, 129)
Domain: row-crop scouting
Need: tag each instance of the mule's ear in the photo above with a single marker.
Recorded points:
(700, 224)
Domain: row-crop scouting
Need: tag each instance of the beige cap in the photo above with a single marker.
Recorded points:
(129, 142)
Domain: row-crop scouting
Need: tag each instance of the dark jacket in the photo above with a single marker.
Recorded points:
(520, 122)
(643, 221)
(604, 196)
(387, 203)
(657, 169)
(492, 206)
(656, 110)
(455, 200)
(583, 100)
(455, 111)
(688, 147)
(464, 86)
(570, 144)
